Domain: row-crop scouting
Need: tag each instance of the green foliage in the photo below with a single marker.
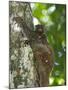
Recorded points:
(53, 16)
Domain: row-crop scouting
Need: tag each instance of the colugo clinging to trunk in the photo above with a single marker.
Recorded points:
(44, 56)
(42, 51)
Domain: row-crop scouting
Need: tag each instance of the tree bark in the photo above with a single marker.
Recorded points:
(22, 70)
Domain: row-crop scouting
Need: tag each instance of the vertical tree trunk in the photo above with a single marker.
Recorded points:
(22, 71)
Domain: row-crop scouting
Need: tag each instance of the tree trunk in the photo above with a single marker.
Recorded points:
(22, 71)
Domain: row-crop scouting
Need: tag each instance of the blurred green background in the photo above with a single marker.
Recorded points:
(53, 17)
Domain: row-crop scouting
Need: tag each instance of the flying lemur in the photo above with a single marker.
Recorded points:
(44, 56)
